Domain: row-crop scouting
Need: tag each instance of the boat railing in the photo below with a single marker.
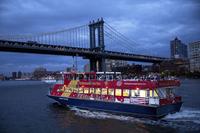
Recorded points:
(154, 100)
(139, 100)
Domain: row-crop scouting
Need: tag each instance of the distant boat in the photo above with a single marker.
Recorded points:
(49, 79)
(22, 79)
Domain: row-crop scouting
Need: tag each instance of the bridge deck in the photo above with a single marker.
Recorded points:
(37, 48)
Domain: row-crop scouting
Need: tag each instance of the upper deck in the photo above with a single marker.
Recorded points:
(117, 80)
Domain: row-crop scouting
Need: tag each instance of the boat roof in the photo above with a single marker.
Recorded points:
(90, 72)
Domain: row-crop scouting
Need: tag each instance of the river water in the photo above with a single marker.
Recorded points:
(25, 108)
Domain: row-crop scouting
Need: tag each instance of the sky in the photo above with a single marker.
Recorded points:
(150, 23)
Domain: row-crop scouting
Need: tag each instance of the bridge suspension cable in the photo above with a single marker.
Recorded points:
(74, 37)
(115, 40)
(118, 38)
(130, 41)
(129, 44)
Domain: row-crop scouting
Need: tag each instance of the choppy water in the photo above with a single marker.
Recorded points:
(24, 107)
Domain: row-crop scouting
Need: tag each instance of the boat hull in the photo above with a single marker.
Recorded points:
(154, 112)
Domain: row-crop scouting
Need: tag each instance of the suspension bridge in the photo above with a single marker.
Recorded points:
(95, 41)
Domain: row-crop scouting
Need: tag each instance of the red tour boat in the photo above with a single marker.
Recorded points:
(107, 91)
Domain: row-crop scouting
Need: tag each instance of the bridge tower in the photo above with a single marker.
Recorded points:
(96, 31)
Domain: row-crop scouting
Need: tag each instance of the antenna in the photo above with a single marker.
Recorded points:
(73, 66)
(76, 63)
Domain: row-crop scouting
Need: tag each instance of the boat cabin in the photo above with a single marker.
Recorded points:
(110, 87)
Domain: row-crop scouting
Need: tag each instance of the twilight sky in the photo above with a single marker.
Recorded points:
(150, 23)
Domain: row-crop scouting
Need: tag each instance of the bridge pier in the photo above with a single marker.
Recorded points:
(97, 65)
(102, 64)
(97, 45)
(156, 67)
(93, 65)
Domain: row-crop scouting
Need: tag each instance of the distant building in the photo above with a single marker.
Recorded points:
(26, 75)
(39, 73)
(194, 56)
(71, 69)
(176, 66)
(178, 49)
(147, 68)
(2, 77)
(14, 75)
(114, 63)
(19, 74)
(68, 69)
(128, 69)
(86, 67)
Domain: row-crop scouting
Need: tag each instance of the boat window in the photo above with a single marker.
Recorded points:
(80, 90)
(66, 76)
(118, 92)
(132, 93)
(61, 89)
(118, 77)
(80, 77)
(102, 77)
(69, 76)
(86, 90)
(92, 90)
(160, 92)
(75, 90)
(98, 91)
(104, 91)
(109, 77)
(126, 92)
(135, 93)
(111, 92)
(153, 93)
(150, 93)
(69, 90)
(173, 91)
(73, 76)
(76, 76)
(169, 92)
(92, 76)
(86, 76)
(143, 93)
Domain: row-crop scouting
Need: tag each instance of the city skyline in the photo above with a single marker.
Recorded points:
(152, 24)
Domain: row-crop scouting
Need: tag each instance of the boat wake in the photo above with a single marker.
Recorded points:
(185, 115)
(104, 115)
(185, 120)
(98, 115)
